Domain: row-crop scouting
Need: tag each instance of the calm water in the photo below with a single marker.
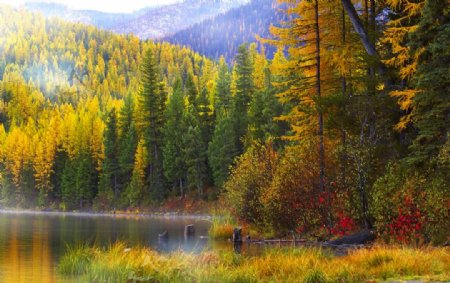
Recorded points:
(32, 243)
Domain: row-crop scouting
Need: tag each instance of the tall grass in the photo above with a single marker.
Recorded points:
(119, 264)
(222, 227)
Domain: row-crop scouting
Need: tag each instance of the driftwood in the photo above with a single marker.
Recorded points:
(359, 238)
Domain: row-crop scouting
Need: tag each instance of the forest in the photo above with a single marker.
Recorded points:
(346, 127)
(222, 34)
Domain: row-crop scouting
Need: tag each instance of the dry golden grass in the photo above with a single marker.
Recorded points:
(380, 263)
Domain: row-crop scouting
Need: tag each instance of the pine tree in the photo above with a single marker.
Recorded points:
(223, 89)
(264, 108)
(153, 98)
(419, 40)
(109, 181)
(127, 141)
(86, 179)
(68, 184)
(174, 130)
(244, 93)
(191, 91)
(222, 150)
(135, 190)
(194, 151)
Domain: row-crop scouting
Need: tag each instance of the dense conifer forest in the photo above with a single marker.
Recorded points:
(346, 127)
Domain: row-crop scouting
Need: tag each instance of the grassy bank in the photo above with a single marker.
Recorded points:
(120, 264)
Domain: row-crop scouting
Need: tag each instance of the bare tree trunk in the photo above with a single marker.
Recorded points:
(359, 28)
(181, 188)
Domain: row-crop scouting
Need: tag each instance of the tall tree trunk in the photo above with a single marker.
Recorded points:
(359, 28)
(181, 188)
(343, 132)
(319, 94)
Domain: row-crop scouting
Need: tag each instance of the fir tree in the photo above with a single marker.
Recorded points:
(194, 151)
(109, 181)
(127, 141)
(430, 105)
(244, 94)
(174, 130)
(153, 98)
(221, 150)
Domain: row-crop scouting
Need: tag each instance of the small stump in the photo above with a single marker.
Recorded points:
(189, 231)
(237, 235)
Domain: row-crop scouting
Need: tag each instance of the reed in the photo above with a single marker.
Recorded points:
(222, 227)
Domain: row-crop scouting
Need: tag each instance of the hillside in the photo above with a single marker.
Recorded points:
(96, 18)
(223, 34)
(170, 19)
(153, 22)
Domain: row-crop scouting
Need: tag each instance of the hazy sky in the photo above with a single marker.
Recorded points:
(114, 6)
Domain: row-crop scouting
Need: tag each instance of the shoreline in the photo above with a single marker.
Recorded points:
(119, 214)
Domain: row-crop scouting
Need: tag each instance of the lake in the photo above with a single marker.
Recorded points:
(31, 243)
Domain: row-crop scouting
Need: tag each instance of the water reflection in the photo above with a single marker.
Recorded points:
(25, 262)
(31, 244)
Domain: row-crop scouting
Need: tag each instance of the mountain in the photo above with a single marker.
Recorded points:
(147, 23)
(222, 34)
(168, 20)
(96, 18)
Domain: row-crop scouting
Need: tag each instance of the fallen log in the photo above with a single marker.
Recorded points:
(359, 238)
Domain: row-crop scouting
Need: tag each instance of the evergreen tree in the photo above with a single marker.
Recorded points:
(109, 182)
(127, 141)
(194, 151)
(264, 108)
(222, 150)
(135, 190)
(174, 130)
(86, 179)
(244, 94)
(223, 90)
(153, 98)
(68, 184)
(430, 104)
(191, 90)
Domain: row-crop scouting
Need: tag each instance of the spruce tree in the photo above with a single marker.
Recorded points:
(430, 109)
(194, 151)
(221, 150)
(127, 141)
(264, 108)
(68, 184)
(244, 94)
(173, 151)
(86, 178)
(153, 98)
(223, 90)
(109, 182)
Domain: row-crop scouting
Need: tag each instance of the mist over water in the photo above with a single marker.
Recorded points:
(32, 243)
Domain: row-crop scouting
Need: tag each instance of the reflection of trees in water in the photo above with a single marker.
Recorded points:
(26, 261)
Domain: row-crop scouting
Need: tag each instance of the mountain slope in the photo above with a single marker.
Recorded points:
(170, 19)
(223, 34)
(96, 18)
(153, 22)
